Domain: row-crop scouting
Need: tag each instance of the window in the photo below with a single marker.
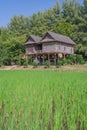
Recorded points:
(39, 47)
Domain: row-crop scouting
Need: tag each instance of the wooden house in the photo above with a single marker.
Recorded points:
(51, 47)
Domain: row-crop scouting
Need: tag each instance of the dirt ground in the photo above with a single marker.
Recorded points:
(77, 68)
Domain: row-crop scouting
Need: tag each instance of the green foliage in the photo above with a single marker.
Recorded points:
(79, 59)
(22, 62)
(47, 64)
(85, 6)
(25, 63)
(76, 59)
(18, 62)
(59, 63)
(64, 61)
(68, 61)
(11, 51)
(63, 27)
(35, 64)
(18, 26)
(72, 58)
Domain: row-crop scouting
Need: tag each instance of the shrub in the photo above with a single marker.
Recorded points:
(79, 59)
(18, 62)
(30, 63)
(25, 64)
(47, 64)
(64, 61)
(1, 63)
(72, 58)
(59, 63)
(23, 61)
(69, 61)
(35, 64)
(83, 62)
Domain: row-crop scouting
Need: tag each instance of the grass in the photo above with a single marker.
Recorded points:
(43, 100)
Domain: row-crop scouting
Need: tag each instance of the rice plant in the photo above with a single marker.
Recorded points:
(43, 100)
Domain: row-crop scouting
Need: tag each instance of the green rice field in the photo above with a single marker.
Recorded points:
(43, 100)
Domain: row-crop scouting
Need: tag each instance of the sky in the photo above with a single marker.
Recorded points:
(9, 8)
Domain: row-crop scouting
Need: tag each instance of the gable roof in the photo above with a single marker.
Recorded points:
(35, 39)
(58, 37)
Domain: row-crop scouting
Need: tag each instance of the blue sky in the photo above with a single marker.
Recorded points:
(9, 8)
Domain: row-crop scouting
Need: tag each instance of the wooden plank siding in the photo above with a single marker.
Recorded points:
(57, 47)
(49, 43)
(48, 47)
(30, 49)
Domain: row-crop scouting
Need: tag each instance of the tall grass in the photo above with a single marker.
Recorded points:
(43, 100)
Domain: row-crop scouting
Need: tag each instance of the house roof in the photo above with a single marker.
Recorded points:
(35, 39)
(58, 37)
(53, 37)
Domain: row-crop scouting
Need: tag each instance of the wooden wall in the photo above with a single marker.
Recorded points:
(58, 47)
(64, 48)
(30, 49)
(51, 48)
(48, 47)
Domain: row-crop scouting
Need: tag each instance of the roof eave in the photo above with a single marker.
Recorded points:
(32, 43)
(58, 41)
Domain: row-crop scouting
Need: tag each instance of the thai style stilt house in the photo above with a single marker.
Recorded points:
(51, 47)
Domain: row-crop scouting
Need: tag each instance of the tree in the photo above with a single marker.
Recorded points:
(63, 27)
(85, 6)
(18, 26)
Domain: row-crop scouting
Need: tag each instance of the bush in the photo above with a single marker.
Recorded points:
(47, 64)
(22, 62)
(79, 59)
(69, 61)
(25, 64)
(35, 64)
(76, 59)
(59, 63)
(83, 62)
(18, 62)
(64, 61)
(30, 63)
(72, 58)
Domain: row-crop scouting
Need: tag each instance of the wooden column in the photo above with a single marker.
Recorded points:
(26, 57)
(58, 57)
(39, 59)
(32, 57)
(43, 59)
(64, 56)
(48, 57)
(55, 59)
(36, 56)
